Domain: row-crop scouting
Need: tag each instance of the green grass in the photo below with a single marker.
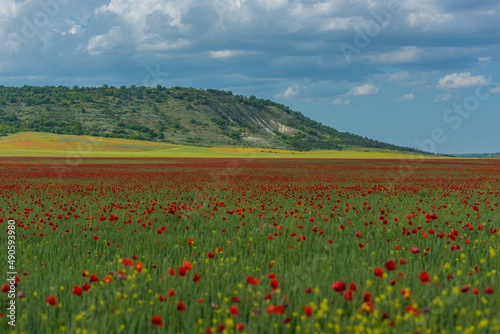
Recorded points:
(195, 199)
(38, 144)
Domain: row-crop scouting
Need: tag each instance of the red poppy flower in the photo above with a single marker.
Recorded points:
(308, 311)
(234, 310)
(95, 237)
(390, 265)
(488, 290)
(162, 298)
(274, 284)
(240, 327)
(51, 300)
(86, 286)
(181, 307)
(348, 295)
(211, 255)
(6, 288)
(308, 290)
(127, 262)
(188, 265)
(171, 292)
(379, 272)
(77, 290)
(171, 271)
(367, 296)
(271, 275)
(138, 267)
(414, 250)
(402, 261)
(353, 287)
(93, 278)
(475, 291)
(156, 320)
(424, 277)
(270, 309)
(338, 286)
(182, 271)
(196, 278)
(279, 309)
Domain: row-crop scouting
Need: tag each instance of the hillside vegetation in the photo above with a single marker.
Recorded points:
(186, 116)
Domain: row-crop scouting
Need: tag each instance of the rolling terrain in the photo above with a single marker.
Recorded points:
(181, 116)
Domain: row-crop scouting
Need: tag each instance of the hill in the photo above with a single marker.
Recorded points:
(184, 116)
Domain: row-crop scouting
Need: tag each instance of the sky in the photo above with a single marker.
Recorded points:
(416, 73)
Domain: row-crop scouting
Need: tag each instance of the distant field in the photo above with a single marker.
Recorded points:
(36, 144)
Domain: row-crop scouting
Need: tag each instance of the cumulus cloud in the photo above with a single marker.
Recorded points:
(407, 97)
(290, 92)
(399, 76)
(442, 98)
(403, 55)
(288, 41)
(462, 80)
(495, 90)
(225, 53)
(426, 20)
(105, 42)
(341, 101)
(341, 23)
(368, 89)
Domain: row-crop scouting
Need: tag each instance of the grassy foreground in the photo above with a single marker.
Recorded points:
(259, 246)
(37, 144)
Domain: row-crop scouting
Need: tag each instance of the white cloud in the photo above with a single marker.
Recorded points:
(496, 90)
(105, 42)
(406, 54)
(289, 92)
(483, 60)
(341, 101)
(462, 80)
(399, 76)
(164, 45)
(368, 89)
(425, 20)
(225, 53)
(9, 8)
(442, 97)
(341, 23)
(407, 97)
(269, 4)
(321, 9)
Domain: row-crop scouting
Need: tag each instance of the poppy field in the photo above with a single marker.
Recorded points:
(251, 245)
